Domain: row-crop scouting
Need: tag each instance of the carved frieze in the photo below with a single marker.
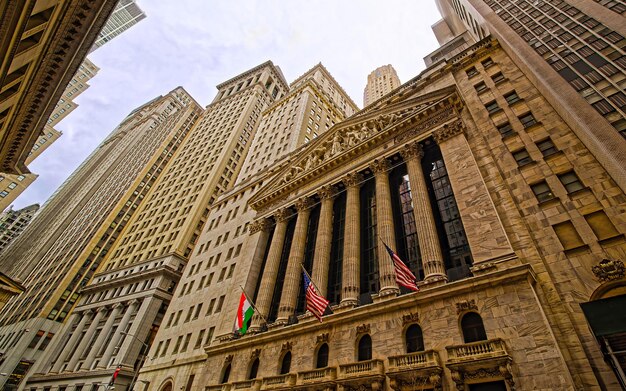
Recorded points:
(466, 305)
(413, 317)
(609, 269)
(448, 131)
(426, 124)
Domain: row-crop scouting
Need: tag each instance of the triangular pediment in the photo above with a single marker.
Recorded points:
(355, 135)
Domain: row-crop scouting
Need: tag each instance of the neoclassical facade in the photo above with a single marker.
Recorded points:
(488, 196)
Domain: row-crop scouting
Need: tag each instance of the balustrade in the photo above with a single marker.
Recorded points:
(476, 350)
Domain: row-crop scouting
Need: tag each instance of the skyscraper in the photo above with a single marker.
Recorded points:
(147, 260)
(125, 15)
(58, 253)
(13, 222)
(380, 82)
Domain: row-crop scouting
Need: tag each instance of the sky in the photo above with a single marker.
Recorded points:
(198, 44)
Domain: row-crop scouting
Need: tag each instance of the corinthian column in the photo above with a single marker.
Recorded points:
(293, 274)
(384, 227)
(264, 298)
(352, 242)
(324, 239)
(430, 249)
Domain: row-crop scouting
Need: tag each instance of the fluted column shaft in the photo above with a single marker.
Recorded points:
(86, 339)
(293, 274)
(428, 239)
(351, 284)
(139, 331)
(84, 317)
(108, 353)
(266, 290)
(384, 227)
(323, 243)
(103, 336)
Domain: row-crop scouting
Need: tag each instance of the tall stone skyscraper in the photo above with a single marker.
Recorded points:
(380, 82)
(573, 52)
(110, 329)
(125, 15)
(13, 222)
(61, 249)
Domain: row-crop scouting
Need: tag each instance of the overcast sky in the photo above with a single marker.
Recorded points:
(198, 44)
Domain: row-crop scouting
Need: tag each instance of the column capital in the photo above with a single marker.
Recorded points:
(282, 214)
(259, 225)
(118, 305)
(303, 204)
(102, 309)
(352, 179)
(327, 192)
(448, 131)
(88, 312)
(412, 151)
(380, 166)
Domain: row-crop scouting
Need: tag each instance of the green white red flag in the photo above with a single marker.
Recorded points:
(244, 314)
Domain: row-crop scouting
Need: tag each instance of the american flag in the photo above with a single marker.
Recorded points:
(314, 302)
(404, 275)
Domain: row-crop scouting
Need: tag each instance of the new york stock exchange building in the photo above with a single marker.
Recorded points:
(507, 220)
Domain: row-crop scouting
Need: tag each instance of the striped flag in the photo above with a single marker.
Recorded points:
(404, 275)
(314, 302)
(245, 310)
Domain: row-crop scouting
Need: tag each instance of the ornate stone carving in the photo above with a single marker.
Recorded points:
(609, 269)
(380, 166)
(286, 346)
(282, 214)
(426, 124)
(303, 203)
(466, 305)
(324, 337)
(258, 225)
(255, 353)
(228, 359)
(363, 329)
(327, 192)
(352, 179)
(413, 317)
(448, 131)
(412, 151)
(315, 158)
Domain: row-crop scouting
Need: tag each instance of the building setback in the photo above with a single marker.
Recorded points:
(58, 253)
(380, 82)
(13, 222)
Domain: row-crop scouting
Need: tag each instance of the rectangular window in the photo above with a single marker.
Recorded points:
(522, 157)
(487, 62)
(527, 120)
(512, 98)
(492, 107)
(498, 78)
(199, 339)
(542, 191)
(568, 236)
(547, 147)
(209, 336)
(570, 181)
(177, 346)
(481, 87)
(471, 72)
(506, 130)
(601, 225)
(220, 302)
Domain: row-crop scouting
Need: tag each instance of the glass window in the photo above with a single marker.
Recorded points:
(506, 129)
(542, 191)
(285, 365)
(522, 157)
(369, 242)
(492, 107)
(527, 120)
(365, 348)
(414, 339)
(481, 87)
(336, 251)
(498, 78)
(254, 368)
(226, 374)
(322, 356)
(571, 182)
(547, 147)
(471, 72)
(512, 98)
(472, 327)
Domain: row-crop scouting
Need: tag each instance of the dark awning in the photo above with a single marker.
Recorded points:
(606, 316)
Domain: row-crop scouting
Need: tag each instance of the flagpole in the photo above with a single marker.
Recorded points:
(310, 279)
(252, 304)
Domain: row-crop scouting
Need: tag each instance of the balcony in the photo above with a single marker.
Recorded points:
(317, 379)
(218, 387)
(280, 382)
(246, 385)
(406, 371)
(370, 373)
(487, 360)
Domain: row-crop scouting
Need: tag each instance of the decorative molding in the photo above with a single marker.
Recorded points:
(363, 329)
(282, 214)
(258, 225)
(303, 204)
(380, 166)
(327, 192)
(412, 151)
(413, 317)
(286, 346)
(322, 338)
(228, 359)
(466, 305)
(448, 131)
(609, 270)
(256, 353)
(352, 179)
(425, 125)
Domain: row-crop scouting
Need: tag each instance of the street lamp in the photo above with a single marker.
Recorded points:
(145, 345)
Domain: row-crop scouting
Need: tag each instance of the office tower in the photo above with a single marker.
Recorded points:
(125, 15)
(150, 255)
(474, 179)
(380, 82)
(573, 52)
(13, 222)
(42, 46)
(62, 248)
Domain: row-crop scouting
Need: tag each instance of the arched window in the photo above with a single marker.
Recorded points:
(322, 356)
(285, 365)
(472, 327)
(254, 368)
(365, 348)
(414, 339)
(226, 374)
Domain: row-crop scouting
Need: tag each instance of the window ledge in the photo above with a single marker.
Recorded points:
(612, 239)
(553, 155)
(534, 126)
(500, 81)
(577, 249)
(509, 136)
(582, 191)
(517, 102)
(498, 110)
(527, 165)
(550, 202)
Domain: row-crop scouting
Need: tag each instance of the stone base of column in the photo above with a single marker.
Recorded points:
(385, 294)
(434, 280)
(345, 304)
